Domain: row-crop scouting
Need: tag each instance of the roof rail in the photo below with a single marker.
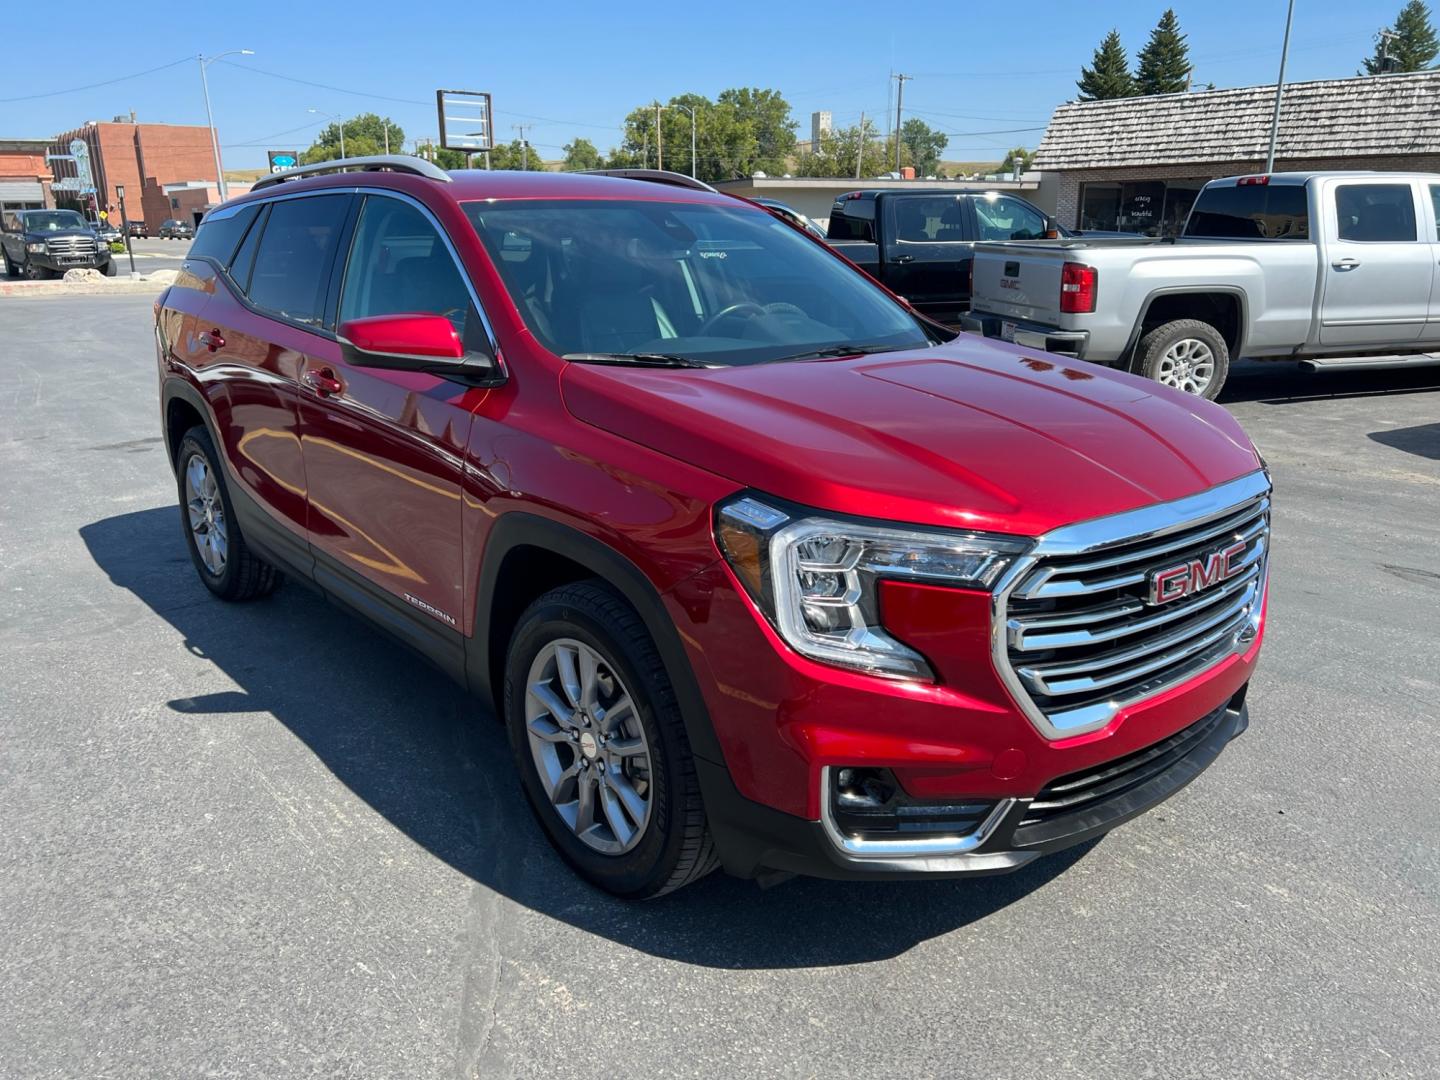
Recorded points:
(402, 163)
(655, 176)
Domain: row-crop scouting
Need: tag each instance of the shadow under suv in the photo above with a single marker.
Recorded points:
(759, 568)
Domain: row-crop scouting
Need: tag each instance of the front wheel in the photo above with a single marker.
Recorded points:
(1186, 354)
(31, 272)
(598, 738)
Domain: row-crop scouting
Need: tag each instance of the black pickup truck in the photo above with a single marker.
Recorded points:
(920, 244)
(38, 243)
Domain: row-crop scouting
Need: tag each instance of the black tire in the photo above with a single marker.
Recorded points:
(11, 270)
(110, 268)
(31, 272)
(675, 847)
(244, 576)
(1151, 355)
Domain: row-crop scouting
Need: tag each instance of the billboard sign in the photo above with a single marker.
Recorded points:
(465, 120)
(280, 160)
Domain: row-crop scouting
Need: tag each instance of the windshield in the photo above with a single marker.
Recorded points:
(712, 284)
(53, 221)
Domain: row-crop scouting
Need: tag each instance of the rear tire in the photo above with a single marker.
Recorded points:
(588, 705)
(223, 560)
(1185, 354)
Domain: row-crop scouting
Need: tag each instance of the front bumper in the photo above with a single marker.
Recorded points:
(60, 263)
(1029, 335)
(753, 839)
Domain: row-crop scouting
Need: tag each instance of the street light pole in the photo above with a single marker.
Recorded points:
(205, 62)
(340, 127)
(691, 111)
(1279, 91)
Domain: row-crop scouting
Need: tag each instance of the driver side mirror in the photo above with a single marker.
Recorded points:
(425, 343)
(1052, 228)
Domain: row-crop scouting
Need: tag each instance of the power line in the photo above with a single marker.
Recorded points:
(106, 82)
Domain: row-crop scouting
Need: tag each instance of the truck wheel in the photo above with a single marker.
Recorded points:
(110, 268)
(600, 744)
(31, 272)
(11, 270)
(1187, 354)
(223, 560)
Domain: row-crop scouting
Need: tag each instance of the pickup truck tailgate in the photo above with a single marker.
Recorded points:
(1019, 281)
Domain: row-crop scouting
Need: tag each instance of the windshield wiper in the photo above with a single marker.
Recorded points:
(668, 360)
(839, 350)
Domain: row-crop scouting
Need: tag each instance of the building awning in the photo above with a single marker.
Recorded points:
(13, 191)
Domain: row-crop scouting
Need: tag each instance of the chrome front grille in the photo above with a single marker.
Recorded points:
(71, 245)
(1084, 634)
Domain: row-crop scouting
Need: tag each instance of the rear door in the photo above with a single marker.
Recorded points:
(384, 450)
(1379, 272)
(262, 324)
(1431, 334)
(929, 243)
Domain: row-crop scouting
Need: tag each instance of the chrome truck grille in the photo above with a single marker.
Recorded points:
(1108, 612)
(71, 245)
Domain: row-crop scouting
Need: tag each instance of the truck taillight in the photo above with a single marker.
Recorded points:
(1252, 181)
(1077, 288)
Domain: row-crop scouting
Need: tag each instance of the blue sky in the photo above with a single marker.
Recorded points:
(988, 74)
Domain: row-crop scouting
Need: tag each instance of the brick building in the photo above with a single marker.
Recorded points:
(25, 175)
(144, 158)
(1136, 164)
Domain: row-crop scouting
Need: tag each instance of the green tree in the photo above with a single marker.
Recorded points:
(1017, 159)
(835, 156)
(581, 155)
(1164, 62)
(1411, 48)
(364, 137)
(922, 145)
(741, 132)
(515, 156)
(1108, 75)
(447, 159)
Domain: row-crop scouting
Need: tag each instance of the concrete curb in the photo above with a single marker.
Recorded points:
(111, 287)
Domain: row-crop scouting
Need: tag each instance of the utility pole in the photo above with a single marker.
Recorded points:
(860, 147)
(386, 124)
(524, 146)
(1279, 90)
(659, 139)
(1386, 36)
(900, 81)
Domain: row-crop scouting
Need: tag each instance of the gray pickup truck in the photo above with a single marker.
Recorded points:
(1331, 269)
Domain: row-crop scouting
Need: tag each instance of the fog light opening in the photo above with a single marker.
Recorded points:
(863, 789)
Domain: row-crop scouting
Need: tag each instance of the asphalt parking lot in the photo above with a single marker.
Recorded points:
(262, 841)
(153, 254)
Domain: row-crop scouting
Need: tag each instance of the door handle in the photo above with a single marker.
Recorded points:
(212, 339)
(322, 381)
(903, 258)
(1345, 264)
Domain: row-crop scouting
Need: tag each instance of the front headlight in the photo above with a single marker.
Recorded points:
(817, 578)
(36, 249)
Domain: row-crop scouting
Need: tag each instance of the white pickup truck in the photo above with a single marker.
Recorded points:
(1331, 269)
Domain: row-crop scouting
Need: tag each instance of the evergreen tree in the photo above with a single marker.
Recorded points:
(1413, 46)
(1109, 73)
(1164, 62)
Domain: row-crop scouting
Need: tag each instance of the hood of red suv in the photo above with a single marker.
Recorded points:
(967, 434)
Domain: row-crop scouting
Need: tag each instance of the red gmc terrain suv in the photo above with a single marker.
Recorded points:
(760, 569)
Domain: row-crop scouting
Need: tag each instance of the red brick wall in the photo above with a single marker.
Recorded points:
(140, 156)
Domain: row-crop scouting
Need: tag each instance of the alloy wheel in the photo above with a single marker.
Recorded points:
(1187, 365)
(588, 746)
(206, 511)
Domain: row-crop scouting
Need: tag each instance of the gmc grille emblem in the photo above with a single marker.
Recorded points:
(1188, 578)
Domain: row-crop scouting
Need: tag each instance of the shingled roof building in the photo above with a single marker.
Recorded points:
(1136, 163)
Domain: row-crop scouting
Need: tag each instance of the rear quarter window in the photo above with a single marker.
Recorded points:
(1252, 212)
(842, 227)
(217, 238)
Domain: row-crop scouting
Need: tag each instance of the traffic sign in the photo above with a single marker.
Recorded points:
(465, 120)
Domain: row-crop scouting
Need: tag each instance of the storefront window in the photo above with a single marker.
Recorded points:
(1145, 207)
